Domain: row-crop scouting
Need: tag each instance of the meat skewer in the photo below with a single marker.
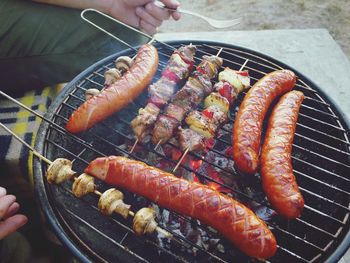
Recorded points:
(203, 125)
(189, 96)
(177, 69)
(232, 219)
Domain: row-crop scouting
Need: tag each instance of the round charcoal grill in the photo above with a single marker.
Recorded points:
(320, 160)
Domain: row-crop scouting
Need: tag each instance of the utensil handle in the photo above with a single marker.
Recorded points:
(180, 10)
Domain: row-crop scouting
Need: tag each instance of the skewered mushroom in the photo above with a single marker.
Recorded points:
(112, 201)
(123, 63)
(83, 185)
(144, 222)
(89, 93)
(59, 171)
(111, 76)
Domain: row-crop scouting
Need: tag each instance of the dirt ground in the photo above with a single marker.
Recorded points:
(271, 14)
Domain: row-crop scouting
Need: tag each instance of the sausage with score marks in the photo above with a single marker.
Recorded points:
(248, 123)
(231, 218)
(119, 94)
(277, 175)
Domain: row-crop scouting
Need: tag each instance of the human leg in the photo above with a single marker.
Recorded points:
(42, 45)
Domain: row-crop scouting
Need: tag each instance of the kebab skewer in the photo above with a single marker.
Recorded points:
(202, 126)
(177, 69)
(189, 96)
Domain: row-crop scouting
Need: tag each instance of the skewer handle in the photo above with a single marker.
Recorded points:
(133, 147)
(181, 159)
(37, 154)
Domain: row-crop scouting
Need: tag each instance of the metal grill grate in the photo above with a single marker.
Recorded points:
(320, 159)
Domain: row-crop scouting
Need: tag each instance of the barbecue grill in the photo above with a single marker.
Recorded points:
(320, 159)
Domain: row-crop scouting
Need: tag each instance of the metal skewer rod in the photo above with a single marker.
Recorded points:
(41, 157)
(37, 154)
(82, 15)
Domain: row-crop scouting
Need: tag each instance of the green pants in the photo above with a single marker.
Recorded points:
(41, 45)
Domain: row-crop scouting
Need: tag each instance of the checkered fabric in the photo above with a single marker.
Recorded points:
(13, 154)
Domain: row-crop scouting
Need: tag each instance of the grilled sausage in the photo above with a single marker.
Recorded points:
(277, 175)
(250, 116)
(119, 94)
(235, 221)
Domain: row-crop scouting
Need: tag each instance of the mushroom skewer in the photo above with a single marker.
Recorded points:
(60, 170)
(122, 65)
(111, 201)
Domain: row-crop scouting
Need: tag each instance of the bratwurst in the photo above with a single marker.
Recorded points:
(231, 218)
(116, 96)
(248, 123)
(277, 175)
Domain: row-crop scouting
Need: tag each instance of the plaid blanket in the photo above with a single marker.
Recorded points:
(15, 158)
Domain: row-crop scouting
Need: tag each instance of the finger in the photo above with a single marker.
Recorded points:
(171, 3)
(148, 28)
(12, 210)
(147, 17)
(5, 203)
(2, 191)
(11, 224)
(157, 12)
(176, 15)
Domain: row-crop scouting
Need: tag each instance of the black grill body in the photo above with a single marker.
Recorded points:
(320, 159)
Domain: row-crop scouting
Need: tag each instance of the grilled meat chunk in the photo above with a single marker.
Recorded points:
(163, 88)
(193, 92)
(164, 128)
(187, 53)
(146, 118)
(203, 81)
(180, 63)
(210, 65)
(175, 111)
(189, 139)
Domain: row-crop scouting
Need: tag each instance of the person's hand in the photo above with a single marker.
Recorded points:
(9, 221)
(143, 14)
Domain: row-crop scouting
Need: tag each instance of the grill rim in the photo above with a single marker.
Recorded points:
(47, 202)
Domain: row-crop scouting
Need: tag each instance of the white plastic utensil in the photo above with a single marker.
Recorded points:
(213, 22)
